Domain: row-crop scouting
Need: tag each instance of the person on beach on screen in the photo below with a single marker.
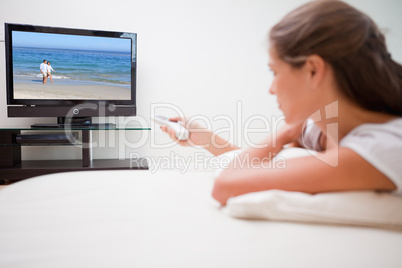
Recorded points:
(43, 70)
(327, 59)
(49, 71)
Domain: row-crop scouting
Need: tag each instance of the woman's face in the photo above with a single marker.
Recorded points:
(290, 85)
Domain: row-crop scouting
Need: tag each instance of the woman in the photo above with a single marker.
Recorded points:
(49, 71)
(328, 59)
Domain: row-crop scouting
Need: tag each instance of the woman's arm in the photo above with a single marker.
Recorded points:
(201, 137)
(273, 144)
(306, 174)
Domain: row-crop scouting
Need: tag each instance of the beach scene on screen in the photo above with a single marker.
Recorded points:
(83, 67)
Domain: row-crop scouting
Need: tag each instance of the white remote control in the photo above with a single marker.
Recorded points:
(181, 132)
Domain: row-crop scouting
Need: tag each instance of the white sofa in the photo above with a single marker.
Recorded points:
(167, 219)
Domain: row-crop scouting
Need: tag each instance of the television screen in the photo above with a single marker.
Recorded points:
(57, 66)
(60, 64)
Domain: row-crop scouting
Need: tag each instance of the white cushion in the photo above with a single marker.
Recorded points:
(364, 208)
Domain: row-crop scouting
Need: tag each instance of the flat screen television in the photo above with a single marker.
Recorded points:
(71, 74)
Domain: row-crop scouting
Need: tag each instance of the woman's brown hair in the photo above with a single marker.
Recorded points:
(351, 43)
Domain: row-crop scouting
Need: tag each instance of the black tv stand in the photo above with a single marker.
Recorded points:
(13, 168)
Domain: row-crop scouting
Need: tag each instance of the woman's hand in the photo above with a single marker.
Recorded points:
(199, 137)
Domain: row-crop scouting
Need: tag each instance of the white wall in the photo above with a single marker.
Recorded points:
(207, 57)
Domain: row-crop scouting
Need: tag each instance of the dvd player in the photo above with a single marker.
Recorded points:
(46, 138)
(78, 126)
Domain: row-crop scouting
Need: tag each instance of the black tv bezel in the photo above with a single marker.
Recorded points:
(9, 27)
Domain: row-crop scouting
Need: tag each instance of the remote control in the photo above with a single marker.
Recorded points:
(181, 132)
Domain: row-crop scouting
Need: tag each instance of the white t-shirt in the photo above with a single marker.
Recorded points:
(381, 146)
(49, 68)
(378, 144)
(43, 67)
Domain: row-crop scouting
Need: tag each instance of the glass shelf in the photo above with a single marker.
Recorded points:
(117, 127)
(13, 131)
(10, 150)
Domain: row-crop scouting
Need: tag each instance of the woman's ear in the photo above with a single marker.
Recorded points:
(315, 67)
